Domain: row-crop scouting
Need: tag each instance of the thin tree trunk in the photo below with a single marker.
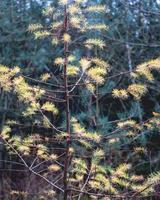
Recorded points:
(129, 58)
(2, 147)
(68, 139)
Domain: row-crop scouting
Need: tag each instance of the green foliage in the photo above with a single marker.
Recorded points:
(48, 106)
(90, 43)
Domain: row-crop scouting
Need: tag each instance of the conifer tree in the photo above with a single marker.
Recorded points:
(83, 166)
